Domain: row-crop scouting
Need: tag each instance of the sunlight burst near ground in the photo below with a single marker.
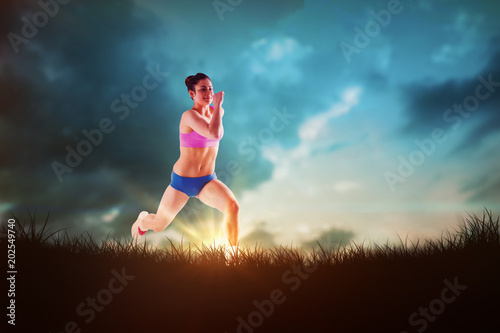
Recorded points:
(209, 233)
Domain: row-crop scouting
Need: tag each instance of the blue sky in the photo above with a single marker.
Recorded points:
(319, 143)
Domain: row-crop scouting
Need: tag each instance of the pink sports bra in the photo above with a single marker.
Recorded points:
(195, 140)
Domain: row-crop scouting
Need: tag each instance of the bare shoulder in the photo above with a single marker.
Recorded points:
(185, 120)
(189, 114)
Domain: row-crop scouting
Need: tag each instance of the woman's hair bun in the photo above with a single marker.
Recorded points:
(187, 80)
(192, 80)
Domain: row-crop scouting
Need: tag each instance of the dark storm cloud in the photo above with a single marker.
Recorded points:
(265, 13)
(432, 105)
(65, 80)
(331, 239)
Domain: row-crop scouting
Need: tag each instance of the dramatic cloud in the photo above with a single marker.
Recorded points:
(467, 110)
(452, 103)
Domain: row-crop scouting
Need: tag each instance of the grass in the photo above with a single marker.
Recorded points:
(190, 288)
(475, 233)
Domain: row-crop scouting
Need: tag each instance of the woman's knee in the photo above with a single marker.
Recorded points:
(233, 207)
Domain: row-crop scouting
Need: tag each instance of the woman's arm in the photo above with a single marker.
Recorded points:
(212, 129)
(216, 122)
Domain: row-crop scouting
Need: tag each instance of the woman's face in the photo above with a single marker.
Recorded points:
(203, 93)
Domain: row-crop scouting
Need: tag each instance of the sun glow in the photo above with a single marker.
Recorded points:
(207, 233)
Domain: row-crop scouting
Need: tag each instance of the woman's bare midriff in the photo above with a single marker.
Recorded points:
(196, 162)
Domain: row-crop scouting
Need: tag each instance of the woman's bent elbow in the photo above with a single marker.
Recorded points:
(216, 135)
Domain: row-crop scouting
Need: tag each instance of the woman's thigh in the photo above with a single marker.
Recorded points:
(171, 203)
(217, 195)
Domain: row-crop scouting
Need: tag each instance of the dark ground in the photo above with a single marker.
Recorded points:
(54, 293)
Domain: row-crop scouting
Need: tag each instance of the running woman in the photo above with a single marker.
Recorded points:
(193, 174)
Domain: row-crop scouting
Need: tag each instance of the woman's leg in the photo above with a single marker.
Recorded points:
(171, 203)
(217, 195)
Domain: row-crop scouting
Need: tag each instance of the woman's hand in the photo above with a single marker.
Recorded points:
(218, 98)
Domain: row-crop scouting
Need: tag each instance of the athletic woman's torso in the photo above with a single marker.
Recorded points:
(195, 162)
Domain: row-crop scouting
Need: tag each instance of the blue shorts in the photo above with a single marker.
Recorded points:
(191, 186)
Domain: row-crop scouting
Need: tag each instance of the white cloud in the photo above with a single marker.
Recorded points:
(314, 126)
(281, 48)
(313, 133)
(277, 58)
